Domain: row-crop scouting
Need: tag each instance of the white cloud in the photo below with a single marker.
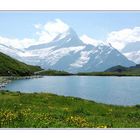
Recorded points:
(119, 39)
(17, 43)
(134, 56)
(50, 30)
(45, 33)
(38, 26)
(88, 40)
(56, 26)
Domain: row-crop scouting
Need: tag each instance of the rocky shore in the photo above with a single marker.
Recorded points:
(4, 80)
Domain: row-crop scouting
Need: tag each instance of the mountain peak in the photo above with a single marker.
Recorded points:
(68, 38)
(69, 33)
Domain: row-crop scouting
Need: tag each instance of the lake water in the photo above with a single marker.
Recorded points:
(110, 90)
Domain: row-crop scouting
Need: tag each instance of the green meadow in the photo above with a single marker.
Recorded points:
(45, 110)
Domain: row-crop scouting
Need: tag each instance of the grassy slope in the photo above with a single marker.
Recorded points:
(10, 66)
(48, 110)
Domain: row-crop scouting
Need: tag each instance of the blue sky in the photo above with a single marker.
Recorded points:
(95, 24)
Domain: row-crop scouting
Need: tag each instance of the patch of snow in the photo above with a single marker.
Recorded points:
(109, 52)
(84, 58)
(69, 40)
(52, 55)
(101, 61)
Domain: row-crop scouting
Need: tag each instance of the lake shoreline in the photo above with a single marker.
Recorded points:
(117, 75)
(4, 80)
(66, 96)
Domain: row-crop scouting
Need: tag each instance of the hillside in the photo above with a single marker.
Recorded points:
(116, 71)
(12, 67)
(133, 70)
(118, 68)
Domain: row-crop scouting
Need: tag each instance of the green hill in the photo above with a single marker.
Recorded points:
(133, 70)
(116, 71)
(12, 67)
(118, 68)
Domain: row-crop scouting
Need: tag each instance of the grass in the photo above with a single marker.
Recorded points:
(12, 67)
(44, 110)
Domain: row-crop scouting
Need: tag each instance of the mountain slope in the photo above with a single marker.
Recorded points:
(105, 56)
(133, 70)
(10, 66)
(59, 53)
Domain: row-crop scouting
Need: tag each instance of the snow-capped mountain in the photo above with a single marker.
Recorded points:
(57, 54)
(70, 53)
(102, 57)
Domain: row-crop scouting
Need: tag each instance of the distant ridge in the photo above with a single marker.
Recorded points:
(133, 70)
